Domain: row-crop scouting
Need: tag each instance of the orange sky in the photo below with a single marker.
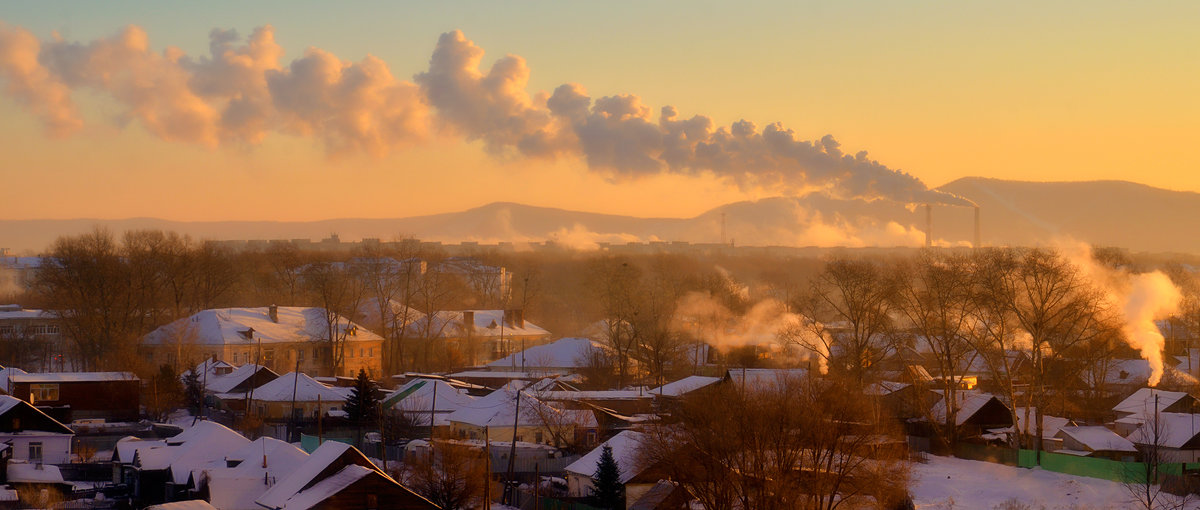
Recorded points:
(1025, 92)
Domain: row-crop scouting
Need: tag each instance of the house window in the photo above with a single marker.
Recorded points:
(35, 451)
(300, 354)
(7, 330)
(43, 392)
(45, 329)
(360, 352)
(591, 438)
(372, 501)
(537, 437)
(371, 352)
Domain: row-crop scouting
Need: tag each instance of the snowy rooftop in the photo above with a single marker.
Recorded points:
(22, 313)
(1050, 424)
(1175, 430)
(498, 409)
(61, 377)
(764, 377)
(307, 389)
(686, 385)
(1142, 401)
(427, 394)
(564, 353)
(487, 323)
(625, 447)
(191, 450)
(257, 463)
(249, 326)
(227, 382)
(969, 403)
(6, 373)
(279, 495)
(395, 314)
(33, 473)
(1097, 438)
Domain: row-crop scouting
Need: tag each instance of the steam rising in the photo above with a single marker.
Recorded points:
(1140, 298)
(240, 92)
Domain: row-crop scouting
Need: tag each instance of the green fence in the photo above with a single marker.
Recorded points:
(1092, 467)
(310, 443)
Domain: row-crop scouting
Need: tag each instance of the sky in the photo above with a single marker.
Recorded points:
(933, 91)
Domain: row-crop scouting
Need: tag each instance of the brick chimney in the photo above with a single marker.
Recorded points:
(273, 313)
(468, 322)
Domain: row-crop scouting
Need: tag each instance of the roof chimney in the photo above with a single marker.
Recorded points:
(273, 313)
(468, 322)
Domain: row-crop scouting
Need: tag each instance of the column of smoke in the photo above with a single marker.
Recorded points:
(242, 91)
(1139, 298)
(763, 324)
(8, 285)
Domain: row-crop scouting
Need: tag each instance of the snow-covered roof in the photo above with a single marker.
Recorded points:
(227, 382)
(420, 396)
(191, 504)
(882, 388)
(305, 473)
(487, 323)
(396, 314)
(17, 313)
(1050, 424)
(497, 409)
(307, 389)
(33, 473)
(63, 377)
(686, 385)
(1174, 430)
(969, 403)
(566, 353)
(1096, 438)
(8, 403)
(1142, 401)
(6, 373)
(762, 378)
(190, 450)
(250, 326)
(127, 446)
(239, 486)
(327, 487)
(625, 447)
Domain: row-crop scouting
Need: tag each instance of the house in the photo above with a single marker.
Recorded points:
(33, 339)
(295, 395)
(763, 378)
(241, 477)
(977, 413)
(1050, 427)
(279, 337)
(905, 401)
(560, 357)
(1177, 435)
(110, 396)
(536, 422)
(31, 435)
(1144, 402)
(338, 476)
(664, 495)
(169, 470)
(1095, 441)
(684, 386)
(37, 484)
(635, 476)
(478, 336)
(419, 399)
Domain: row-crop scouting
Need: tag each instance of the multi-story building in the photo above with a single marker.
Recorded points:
(281, 338)
(31, 339)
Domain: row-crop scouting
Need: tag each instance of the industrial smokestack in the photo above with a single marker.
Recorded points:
(928, 225)
(978, 230)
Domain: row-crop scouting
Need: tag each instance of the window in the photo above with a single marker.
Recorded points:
(35, 451)
(371, 352)
(300, 354)
(43, 392)
(360, 352)
(7, 330)
(537, 437)
(372, 501)
(45, 329)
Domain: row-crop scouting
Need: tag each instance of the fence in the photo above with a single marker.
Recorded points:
(1092, 467)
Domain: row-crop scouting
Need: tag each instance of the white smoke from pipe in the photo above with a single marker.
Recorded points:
(1140, 299)
(240, 93)
(764, 324)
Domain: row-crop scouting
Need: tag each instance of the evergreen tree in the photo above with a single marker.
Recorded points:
(608, 492)
(362, 406)
(193, 392)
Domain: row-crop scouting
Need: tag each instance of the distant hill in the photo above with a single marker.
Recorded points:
(1112, 213)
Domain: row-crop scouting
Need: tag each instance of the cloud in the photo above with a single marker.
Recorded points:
(240, 92)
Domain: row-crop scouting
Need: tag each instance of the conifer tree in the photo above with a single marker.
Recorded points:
(193, 392)
(362, 406)
(608, 492)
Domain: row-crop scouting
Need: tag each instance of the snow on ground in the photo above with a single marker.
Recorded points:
(946, 483)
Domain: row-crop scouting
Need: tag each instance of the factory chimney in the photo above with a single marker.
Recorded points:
(978, 230)
(928, 225)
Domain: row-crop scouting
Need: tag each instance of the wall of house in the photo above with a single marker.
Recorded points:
(56, 448)
(278, 356)
(278, 411)
(114, 401)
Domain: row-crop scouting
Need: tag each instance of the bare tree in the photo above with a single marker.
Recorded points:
(936, 298)
(339, 292)
(451, 475)
(615, 282)
(850, 305)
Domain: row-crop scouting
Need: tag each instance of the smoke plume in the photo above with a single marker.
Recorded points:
(241, 92)
(1139, 298)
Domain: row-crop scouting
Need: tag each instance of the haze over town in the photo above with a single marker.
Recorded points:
(673, 256)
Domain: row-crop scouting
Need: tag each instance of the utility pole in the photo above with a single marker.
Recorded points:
(512, 454)
(292, 415)
(487, 468)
